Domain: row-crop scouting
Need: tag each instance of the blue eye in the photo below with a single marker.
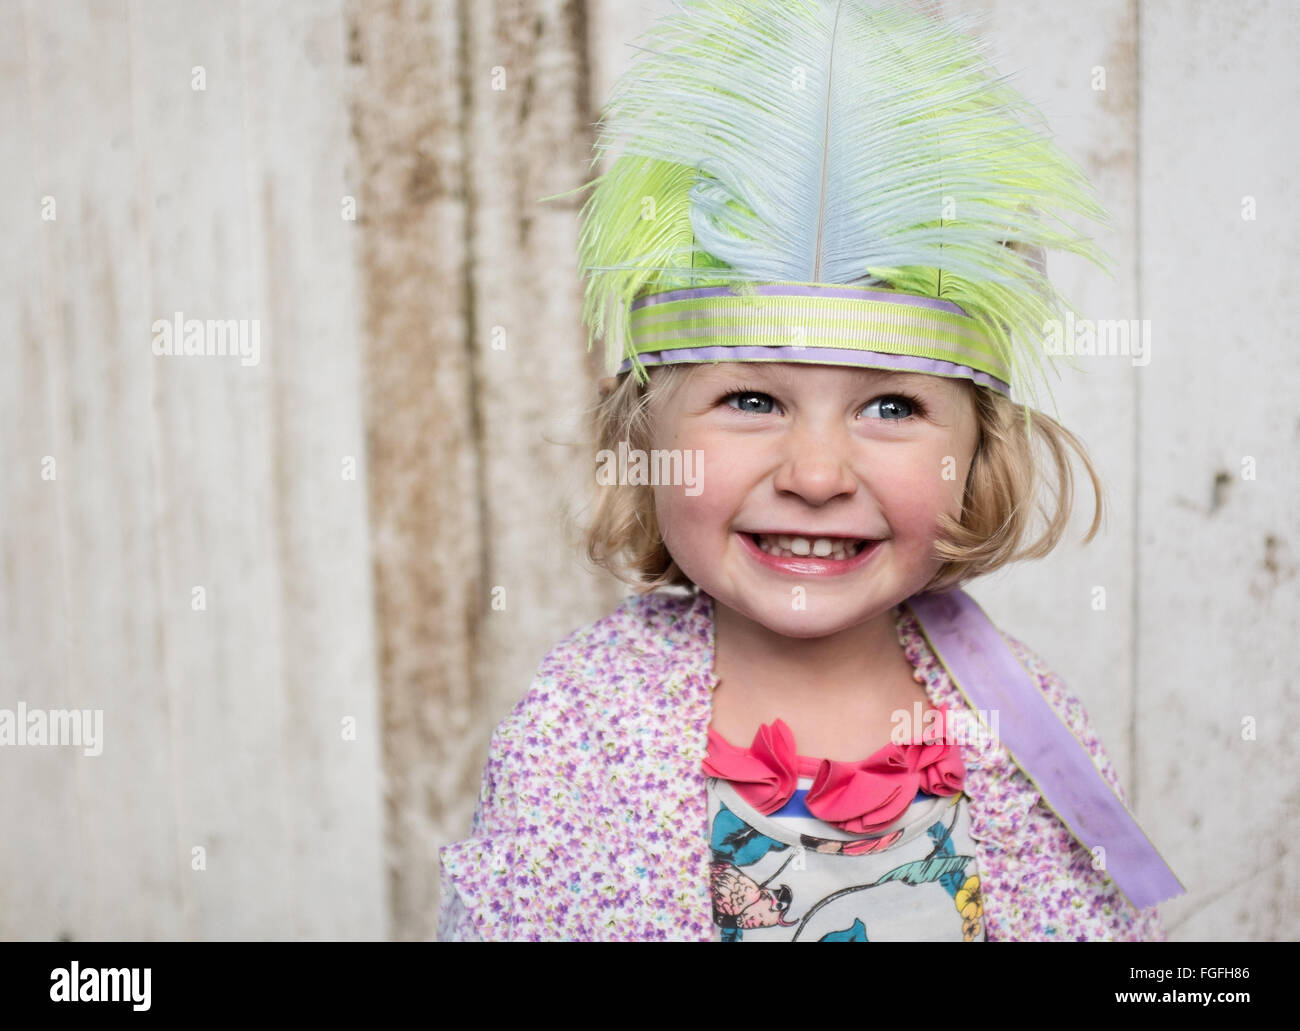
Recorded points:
(886, 407)
(895, 407)
(749, 396)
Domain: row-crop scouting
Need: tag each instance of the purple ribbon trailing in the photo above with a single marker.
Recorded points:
(986, 671)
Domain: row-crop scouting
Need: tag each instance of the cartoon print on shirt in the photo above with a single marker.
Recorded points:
(735, 841)
(856, 933)
(941, 866)
(858, 847)
(741, 903)
(965, 891)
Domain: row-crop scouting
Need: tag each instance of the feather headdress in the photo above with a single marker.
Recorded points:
(826, 181)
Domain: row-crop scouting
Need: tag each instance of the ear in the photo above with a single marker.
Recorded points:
(606, 386)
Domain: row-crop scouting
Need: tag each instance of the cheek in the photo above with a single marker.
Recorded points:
(919, 489)
(692, 513)
(674, 516)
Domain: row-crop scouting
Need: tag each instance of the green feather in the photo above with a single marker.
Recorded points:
(830, 142)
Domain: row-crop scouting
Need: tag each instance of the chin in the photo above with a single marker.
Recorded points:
(805, 631)
(804, 623)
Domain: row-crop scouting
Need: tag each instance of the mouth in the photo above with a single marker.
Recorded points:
(783, 545)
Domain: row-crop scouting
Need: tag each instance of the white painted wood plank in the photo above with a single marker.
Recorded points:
(111, 835)
(38, 786)
(1219, 614)
(216, 475)
(222, 726)
(298, 131)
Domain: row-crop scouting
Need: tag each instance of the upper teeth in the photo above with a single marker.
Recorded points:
(818, 547)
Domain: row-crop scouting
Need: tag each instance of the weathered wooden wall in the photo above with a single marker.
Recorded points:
(375, 510)
(464, 115)
(1198, 447)
(227, 715)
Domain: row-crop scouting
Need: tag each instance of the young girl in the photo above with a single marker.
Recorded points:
(818, 268)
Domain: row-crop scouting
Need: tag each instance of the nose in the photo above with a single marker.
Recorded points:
(816, 464)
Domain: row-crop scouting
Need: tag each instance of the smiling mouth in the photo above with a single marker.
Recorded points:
(791, 546)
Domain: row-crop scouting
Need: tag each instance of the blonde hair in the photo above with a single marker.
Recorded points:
(997, 509)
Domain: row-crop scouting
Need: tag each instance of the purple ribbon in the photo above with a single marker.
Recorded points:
(988, 674)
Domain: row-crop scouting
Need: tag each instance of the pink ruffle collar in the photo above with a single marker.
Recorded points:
(861, 797)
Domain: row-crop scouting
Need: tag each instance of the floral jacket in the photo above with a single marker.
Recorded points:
(591, 822)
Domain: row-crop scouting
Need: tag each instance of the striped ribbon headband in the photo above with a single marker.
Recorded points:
(817, 324)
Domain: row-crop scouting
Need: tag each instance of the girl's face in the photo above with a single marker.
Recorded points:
(815, 451)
